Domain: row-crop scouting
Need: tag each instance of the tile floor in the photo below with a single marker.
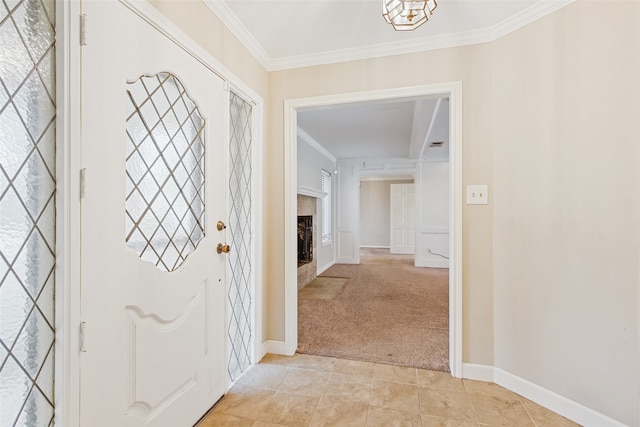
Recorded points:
(306, 390)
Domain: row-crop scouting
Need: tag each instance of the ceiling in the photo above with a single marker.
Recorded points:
(405, 128)
(285, 34)
(296, 33)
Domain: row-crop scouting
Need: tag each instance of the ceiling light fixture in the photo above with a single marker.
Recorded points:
(407, 15)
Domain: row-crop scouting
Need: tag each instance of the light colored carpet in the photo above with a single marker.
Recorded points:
(388, 312)
(323, 288)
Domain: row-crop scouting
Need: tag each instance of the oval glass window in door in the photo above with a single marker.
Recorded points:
(165, 171)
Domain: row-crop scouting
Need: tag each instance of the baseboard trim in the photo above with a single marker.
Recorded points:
(432, 263)
(553, 401)
(347, 261)
(326, 267)
(473, 371)
(277, 347)
(374, 247)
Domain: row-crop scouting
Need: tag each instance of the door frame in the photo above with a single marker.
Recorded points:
(291, 106)
(68, 189)
(68, 215)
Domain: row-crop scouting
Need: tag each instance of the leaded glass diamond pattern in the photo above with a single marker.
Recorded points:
(240, 296)
(27, 212)
(165, 171)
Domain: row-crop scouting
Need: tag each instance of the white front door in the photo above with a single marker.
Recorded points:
(154, 148)
(403, 223)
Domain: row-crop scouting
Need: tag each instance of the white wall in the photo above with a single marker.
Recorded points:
(433, 215)
(348, 213)
(311, 162)
(375, 201)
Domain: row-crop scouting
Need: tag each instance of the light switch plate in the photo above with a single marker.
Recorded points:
(477, 194)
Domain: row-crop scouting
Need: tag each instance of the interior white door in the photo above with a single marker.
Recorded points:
(403, 223)
(153, 284)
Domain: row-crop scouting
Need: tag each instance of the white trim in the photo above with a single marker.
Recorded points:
(278, 347)
(325, 267)
(553, 401)
(532, 13)
(455, 235)
(474, 371)
(291, 106)
(311, 192)
(375, 247)
(68, 164)
(290, 343)
(258, 228)
(315, 145)
(433, 263)
(559, 404)
(231, 21)
(386, 178)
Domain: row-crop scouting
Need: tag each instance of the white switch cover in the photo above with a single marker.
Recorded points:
(477, 195)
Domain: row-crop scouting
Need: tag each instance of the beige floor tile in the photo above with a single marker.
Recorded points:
(243, 401)
(431, 421)
(224, 420)
(382, 417)
(314, 363)
(489, 389)
(289, 409)
(546, 418)
(304, 381)
(390, 395)
(336, 411)
(266, 424)
(449, 404)
(264, 376)
(349, 387)
(398, 374)
(498, 411)
(354, 367)
(439, 380)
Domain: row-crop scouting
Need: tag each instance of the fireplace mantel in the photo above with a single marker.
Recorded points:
(311, 192)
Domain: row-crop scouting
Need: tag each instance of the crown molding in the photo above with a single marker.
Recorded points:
(315, 144)
(231, 21)
(525, 17)
(532, 13)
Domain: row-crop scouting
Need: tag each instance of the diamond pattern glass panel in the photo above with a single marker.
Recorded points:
(240, 262)
(27, 212)
(165, 171)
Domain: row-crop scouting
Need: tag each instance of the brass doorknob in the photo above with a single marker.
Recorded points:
(220, 225)
(223, 248)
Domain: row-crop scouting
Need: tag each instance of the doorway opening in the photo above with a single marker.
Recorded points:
(347, 237)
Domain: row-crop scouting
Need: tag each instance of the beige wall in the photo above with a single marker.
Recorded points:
(550, 121)
(467, 64)
(375, 212)
(566, 203)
